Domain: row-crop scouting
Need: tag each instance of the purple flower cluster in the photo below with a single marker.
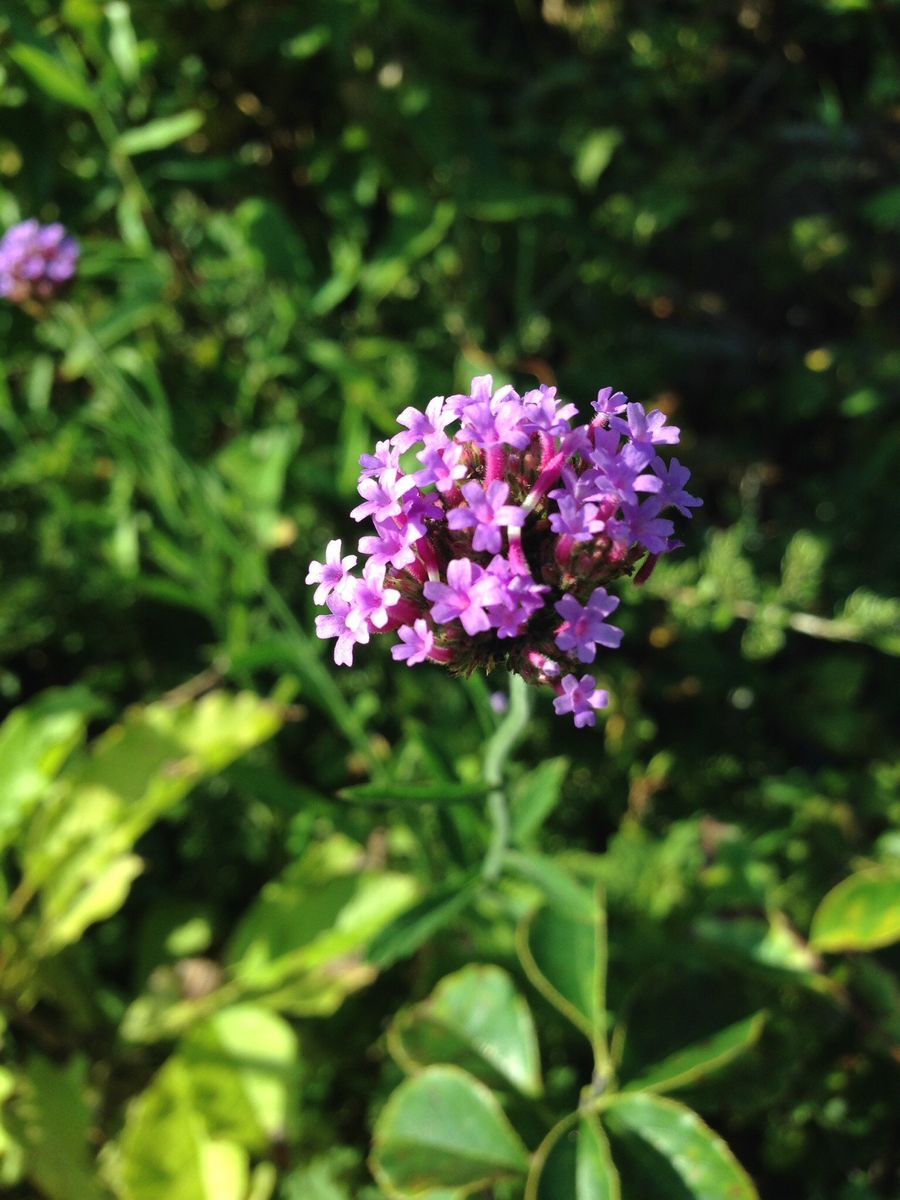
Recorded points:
(499, 524)
(36, 261)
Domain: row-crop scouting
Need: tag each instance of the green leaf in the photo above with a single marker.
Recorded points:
(165, 1148)
(444, 1129)
(303, 942)
(772, 945)
(53, 77)
(699, 1157)
(415, 794)
(574, 1163)
(861, 913)
(409, 931)
(564, 956)
(696, 1062)
(595, 154)
(476, 1019)
(158, 134)
(535, 796)
(559, 887)
(35, 741)
(77, 852)
(123, 47)
(52, 1122)
(242, 1066)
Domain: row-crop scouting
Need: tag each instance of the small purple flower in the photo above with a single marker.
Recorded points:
(385, 458)
(488, 512)
(36, 261)
(382, 496)
(642, 523)
(468, 591)
(422, 426)
(645, 428)
(442, 466)
(370, 599)
(581, 698)
(495, 423)
(583, 628)
(673, 476)
(393, 546)
(335, 625)
(543, 413)
(519, 598)
(578, 521)
(418, 642)
(608, 401)
(331, 574)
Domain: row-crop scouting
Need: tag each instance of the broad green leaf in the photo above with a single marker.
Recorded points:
(476, 1019)
(564, 956)
(158, 134)
(35, 741)
(444, 1129)
(415, 794)
(414, 927)
(165, 1148)
(595, 154)
(309, 930)
(242, 1068)
(695, 1062)
(699, 1157)
(535, 796)
(77, 851)
(574, 1163)
(861, 913)
(51, 1120)
(53, 77)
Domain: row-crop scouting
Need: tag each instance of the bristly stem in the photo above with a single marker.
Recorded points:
(496, 755)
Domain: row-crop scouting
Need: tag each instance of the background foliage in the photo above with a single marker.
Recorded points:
(296, 220)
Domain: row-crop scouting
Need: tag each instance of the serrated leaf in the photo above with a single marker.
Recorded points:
(55, 78)
(697, 1154)
(861, 913)
(158, 134)
(476, 1019)
(444, 1129)
(696, 1062)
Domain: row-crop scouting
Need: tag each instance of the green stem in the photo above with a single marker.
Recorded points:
(496, 756)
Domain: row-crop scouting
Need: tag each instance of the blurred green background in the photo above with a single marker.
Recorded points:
(296, 220)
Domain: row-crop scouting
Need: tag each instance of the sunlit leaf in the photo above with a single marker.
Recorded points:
(476, 1019)
(861, 913)
(699, 1157)
(55, 78)
(162, 132)
(444, 1129)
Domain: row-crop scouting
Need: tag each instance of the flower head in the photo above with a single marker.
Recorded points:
(36, 261)
(500, 547)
